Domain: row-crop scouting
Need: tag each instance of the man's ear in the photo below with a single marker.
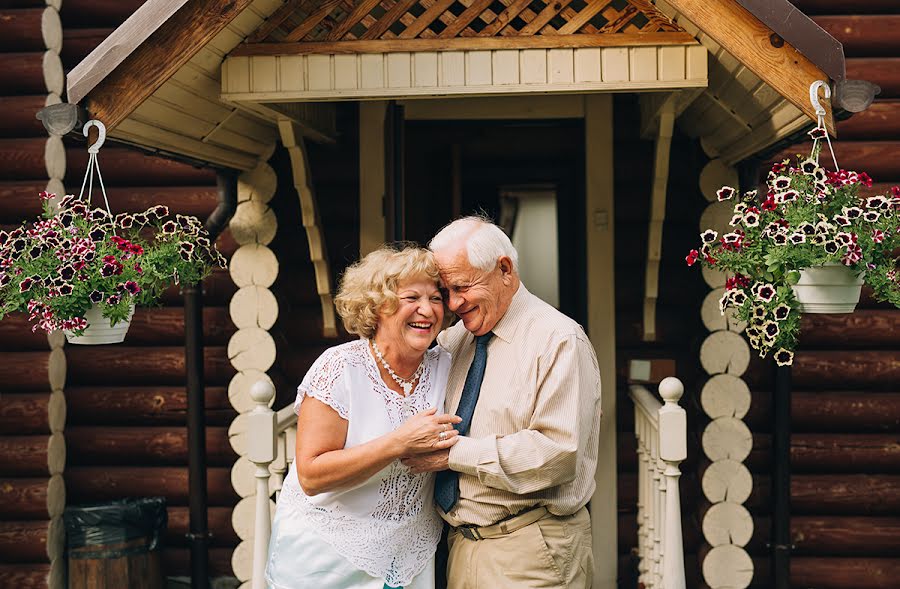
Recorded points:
(506, 269)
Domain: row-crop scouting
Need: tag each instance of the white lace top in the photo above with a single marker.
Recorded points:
(387, 526)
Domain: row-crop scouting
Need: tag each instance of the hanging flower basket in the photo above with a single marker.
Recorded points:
(805, 244)
(101, 330)
(82, 270)
(830, 288)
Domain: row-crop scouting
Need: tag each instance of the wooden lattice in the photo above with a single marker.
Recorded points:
(340, 21)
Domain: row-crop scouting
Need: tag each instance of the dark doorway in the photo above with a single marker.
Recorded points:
(457, 168)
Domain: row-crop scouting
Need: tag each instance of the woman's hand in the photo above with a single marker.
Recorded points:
(426, 432)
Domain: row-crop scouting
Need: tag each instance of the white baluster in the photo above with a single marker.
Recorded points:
(672, 451)
(261, 452)
(279, 465)
(639, 423)
(657, 512)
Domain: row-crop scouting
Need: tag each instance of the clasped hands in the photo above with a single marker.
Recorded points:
(427, 438)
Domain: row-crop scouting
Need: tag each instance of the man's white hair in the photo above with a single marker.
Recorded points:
(485, 242)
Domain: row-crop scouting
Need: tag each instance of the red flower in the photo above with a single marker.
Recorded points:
(692, 257)
(769, 204)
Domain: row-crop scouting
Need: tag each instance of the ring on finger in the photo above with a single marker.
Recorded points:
(442, 436)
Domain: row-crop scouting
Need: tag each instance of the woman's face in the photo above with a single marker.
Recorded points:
(417, 320)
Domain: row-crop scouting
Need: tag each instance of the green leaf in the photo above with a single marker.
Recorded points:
(792, 277)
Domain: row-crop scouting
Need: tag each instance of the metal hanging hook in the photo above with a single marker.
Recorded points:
(101, 134)
(814, 96)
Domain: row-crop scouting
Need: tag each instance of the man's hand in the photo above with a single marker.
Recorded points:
(430, 462)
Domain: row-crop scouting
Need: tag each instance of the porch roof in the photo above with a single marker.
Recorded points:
(157, 81)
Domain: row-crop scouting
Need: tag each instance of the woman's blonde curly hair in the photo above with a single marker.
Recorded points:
(369, 286)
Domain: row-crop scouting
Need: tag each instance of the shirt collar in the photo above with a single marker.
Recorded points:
(506, 327)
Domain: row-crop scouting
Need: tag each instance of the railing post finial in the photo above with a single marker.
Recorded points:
(671, 389)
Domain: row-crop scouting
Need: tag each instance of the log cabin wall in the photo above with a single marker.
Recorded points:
(679, 329)
(32, 365)
(126, 405)
(845, 447)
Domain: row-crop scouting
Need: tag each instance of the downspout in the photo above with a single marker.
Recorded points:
(198, 535)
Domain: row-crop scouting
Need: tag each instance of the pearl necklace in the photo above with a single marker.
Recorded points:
(405, 384)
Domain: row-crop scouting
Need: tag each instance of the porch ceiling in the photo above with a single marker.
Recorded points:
(204, 80)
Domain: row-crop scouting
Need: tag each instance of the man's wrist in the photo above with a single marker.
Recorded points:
(463, 455)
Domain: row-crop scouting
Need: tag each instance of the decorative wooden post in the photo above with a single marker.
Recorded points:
(672, 451)
(261, 452)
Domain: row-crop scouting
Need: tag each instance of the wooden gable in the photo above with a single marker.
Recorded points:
(382, 26)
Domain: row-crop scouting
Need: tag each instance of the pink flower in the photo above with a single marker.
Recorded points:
(692, 257)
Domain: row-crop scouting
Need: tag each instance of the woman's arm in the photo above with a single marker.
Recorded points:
(323, 464)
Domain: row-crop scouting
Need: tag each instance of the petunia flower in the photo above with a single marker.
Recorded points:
(781, 312)
(871, 216)
(764, 292)
(725, 193)
(707, 236)
(784, 357)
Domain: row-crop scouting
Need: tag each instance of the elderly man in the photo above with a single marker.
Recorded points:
(525, 381)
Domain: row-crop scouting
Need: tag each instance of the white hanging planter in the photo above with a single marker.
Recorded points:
(99, 330)
(832, 288)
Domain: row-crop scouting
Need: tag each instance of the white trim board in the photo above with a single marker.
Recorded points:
(289, 78)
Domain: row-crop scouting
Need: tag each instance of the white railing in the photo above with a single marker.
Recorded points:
(270, 446)
(661, 431)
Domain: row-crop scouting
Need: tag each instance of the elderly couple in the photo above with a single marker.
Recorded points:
(494, 430)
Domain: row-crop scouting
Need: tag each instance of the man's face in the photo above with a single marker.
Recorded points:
(479, 298)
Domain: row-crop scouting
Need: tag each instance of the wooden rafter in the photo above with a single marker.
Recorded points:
(124, 86)
(781, 66)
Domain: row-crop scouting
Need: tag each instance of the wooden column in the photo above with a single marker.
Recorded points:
(725, 398)
(372, 166)
(598, 122)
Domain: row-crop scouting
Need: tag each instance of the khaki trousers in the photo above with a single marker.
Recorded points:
(553, 552)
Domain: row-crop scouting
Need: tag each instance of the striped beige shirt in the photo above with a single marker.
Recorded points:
(534, 435)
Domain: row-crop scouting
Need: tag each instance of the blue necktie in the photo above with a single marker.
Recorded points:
(446, 484)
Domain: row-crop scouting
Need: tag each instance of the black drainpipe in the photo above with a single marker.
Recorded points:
(196, 410)
(781, 479)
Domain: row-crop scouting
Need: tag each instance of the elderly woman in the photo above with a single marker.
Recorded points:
(350, 513)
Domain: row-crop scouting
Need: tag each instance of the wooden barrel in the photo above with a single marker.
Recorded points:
(116, 544)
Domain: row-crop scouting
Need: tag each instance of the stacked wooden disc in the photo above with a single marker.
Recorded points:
(725, 398)
(32, 365)
(251, 349)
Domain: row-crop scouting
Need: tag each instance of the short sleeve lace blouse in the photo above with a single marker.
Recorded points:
(387, 526)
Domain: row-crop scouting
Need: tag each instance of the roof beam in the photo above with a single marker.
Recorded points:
(124, 86)
(770, 57)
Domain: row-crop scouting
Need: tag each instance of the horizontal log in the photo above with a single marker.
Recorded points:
(864, 35)
(878, 70)
(832, 370)
(31, 541)
(128, 167)
(865, 328)
(880, 121)
(89, 484)
(32, 413)
(843, 6)
(146, 446)
(176, 562)
(26, 456)
(78, 43)
(23, 73)
(833, 494)
(19, 200)
(877, 158)
(23, 159)
(33, 498)
(84, 13)
(150, 406)
(814, 535)
(219, 520)
(164, 326)
(31, 371)
(17, 116)
(845, 573)
(832, 411)
(101, 365)
(16, 335)
(20, 30)
(218, 288)
(863, 453)
(27, 576)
